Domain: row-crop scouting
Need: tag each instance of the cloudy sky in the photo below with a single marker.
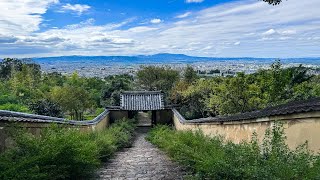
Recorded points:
(217, 28)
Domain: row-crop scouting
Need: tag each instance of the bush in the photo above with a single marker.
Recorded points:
(47, 108)
(118, 136)
(61, 153)
(213, 158)
(15, 107)
(7, 98)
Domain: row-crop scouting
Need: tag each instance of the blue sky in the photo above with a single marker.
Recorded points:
(111, 11)
(216, 28)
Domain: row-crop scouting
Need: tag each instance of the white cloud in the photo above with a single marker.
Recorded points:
(141, 29)
(269, 32)
(237, 43)
(21, 16)
(194, 1)
(87, 22)
(155, 21)
(288, 32)
(184, 15)
(254, 27)
(77, 8)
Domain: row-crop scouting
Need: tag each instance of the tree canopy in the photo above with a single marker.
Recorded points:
(155, 78)
(23, 87)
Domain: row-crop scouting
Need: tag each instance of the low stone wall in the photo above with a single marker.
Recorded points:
(299, 127)
(35, 123)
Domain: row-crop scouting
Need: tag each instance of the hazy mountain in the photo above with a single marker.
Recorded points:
(168, 58)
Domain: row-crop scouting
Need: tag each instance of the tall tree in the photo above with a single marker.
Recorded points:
(72, 99)
(190, 75)
(154, 78)
(195, 96)
(113, 87)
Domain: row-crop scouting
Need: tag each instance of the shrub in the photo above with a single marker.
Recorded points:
(8, 98)
(123, 131)
(57, 154)
(61, 153)
(15, 107)
(214, 158)
(47, 108)
(118, 136)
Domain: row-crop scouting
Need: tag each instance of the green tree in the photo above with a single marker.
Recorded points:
(94, 86)
(47, 108)
(190, 75)
(24, 82)
(7, 65)
(72, 99)
(194, 98)
(113, 87)
(72, 96)
(155, 78)
(232, 95)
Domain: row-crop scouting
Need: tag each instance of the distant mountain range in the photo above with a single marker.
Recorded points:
(166, 58)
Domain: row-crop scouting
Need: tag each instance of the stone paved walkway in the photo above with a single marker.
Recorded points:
(141, 161)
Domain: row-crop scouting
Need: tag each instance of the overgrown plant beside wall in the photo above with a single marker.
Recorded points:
(62, 153)
(214, 158)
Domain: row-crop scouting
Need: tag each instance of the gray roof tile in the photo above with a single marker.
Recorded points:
(141, 100)
(25, 117)
(293, 107)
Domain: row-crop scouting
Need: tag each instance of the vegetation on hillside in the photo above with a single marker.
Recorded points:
(212, 96)
(214, 158)
(62, 153)
(215, 96)
(24, 88)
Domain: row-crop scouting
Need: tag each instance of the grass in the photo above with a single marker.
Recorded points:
(214, 158)
(61, 153)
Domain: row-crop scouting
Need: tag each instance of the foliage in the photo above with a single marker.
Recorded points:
(22, 85)
(213, 158)
(62, 153)
(15, 107)
(235, 95)
(153, 78)
(22, 82)
(47, 108)
(57, 154)
(10, 65)
(189, 75)
(113, 87)
(195, 96)
(74, 100)
(11, 103)
(245, 92)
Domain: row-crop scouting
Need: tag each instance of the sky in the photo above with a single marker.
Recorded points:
(211, 28)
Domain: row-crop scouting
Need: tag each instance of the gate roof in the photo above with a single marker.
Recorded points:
(141, 100)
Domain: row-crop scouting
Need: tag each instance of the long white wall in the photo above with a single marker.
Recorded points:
(298, 128)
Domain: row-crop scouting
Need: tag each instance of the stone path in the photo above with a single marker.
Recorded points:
(142, 161)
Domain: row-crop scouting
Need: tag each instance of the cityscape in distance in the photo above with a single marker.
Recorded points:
(101, 66)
